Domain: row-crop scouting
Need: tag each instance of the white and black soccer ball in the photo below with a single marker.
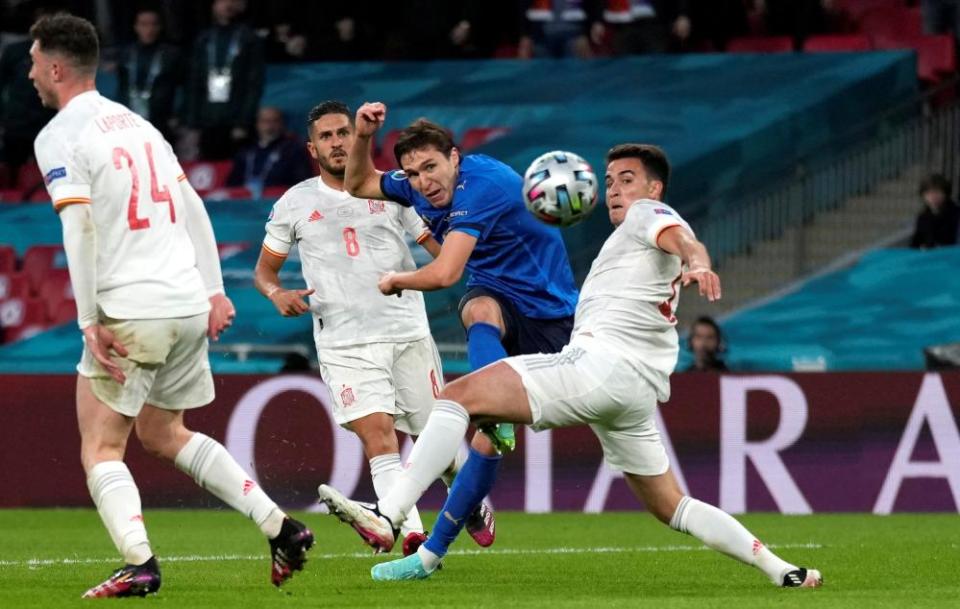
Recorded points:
(560, 188)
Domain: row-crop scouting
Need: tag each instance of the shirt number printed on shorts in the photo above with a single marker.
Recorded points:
(434, 385)
(157, 193)
(350, 238)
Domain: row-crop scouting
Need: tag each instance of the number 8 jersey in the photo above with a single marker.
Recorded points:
(97, 152)
(345, 245)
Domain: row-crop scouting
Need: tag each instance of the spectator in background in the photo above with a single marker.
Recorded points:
(276, 159)
(801, 19)
(941, 17)
(560, 28)
(22, 116)
(425, 29)
(149, 73)
(718, 21)
(644, 26)
(226, 81)
(937, 224)
(706, 344)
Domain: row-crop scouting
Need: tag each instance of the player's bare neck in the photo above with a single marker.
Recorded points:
(70, 90)
(331, 180)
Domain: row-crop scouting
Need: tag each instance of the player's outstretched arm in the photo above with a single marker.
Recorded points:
(362, 179)
(204, 242)
(679, 241)
(266, 278)
(443, 272)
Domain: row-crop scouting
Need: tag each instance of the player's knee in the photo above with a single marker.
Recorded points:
(456, 391)
(98, 450)
(157, 441)
(482, 309)
(378, 442)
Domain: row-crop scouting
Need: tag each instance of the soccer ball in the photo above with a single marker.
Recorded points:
(560, 188)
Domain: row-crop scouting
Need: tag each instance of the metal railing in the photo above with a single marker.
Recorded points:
(929, 139)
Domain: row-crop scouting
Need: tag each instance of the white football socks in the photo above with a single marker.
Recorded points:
(722, 532)
(118, 501)
(434, 450)
(209, 463)
(385, 471)
(451, 472)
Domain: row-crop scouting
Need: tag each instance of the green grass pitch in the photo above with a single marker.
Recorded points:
(218, 559)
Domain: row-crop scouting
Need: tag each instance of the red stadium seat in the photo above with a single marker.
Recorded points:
(858, 8)
(228, 249)
(475, 137)
(274, 192)
(22, 311)
(25, 330)
(38, 261)
(384, 161)
(13, 285)
(56, 289)
(207, 175)
(837, 43)
(386, 146)
(29, 176)
(11, 195)
(8, 259)
(506, 51)
(892, 21)
(65, 313)
(936, 55)
(6, 176)
(761, 44)
(30, 183)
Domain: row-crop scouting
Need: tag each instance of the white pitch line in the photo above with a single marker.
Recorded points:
(49, 562)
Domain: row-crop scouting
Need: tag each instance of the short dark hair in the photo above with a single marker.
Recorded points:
(327, 107)
(420, 134)
(706, 320)
(936, 181)
(654, 160)
(73, 37)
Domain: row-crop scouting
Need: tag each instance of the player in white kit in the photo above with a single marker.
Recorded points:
(610, 377)
(376, 353)
(146, 277)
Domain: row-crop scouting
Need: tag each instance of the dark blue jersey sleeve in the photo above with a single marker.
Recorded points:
(396, 187)
(478, 205)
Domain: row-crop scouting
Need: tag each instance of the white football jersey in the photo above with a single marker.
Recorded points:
(346, 244)
(97, 152)
(630, 296)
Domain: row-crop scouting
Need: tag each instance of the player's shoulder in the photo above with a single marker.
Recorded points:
(484, 179)
(652, 208)
(301, 194)
(487, 168)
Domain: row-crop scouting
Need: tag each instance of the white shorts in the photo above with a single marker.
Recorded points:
(399, 379)
(588, 384)
(166, 365)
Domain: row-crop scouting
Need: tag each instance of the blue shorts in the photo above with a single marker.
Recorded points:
(525, 335)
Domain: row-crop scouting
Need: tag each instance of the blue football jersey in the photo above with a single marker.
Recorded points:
(516, 255)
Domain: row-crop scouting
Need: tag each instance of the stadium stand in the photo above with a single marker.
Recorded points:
(879, 314)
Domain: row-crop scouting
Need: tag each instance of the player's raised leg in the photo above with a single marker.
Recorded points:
(103, 441)
(716, 529)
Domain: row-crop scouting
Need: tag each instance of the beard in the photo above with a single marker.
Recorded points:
(330, 167)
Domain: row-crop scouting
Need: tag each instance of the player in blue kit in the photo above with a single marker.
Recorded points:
(521, 293)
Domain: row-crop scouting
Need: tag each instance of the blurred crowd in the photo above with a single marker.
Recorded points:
(196, 69)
